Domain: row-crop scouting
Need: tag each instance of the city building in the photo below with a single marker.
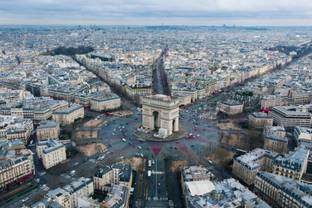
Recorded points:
(69, 115)
(196, 173)
(278, 131)
(259, 120)
(48, 129)
(83, 187)
(201, 191)
(115, 180)
(105, 177)
(280, 191)
(245, 167)
(12, 127)
(292, 165)
(36, 108)
(230, 107)
(270, 101)
(16, 163)
(105, 102)
(276, 143)
(299, 97)
(77, 194)
(116, 174)
(51, 152)
(118, 196)
(160, 113)
(59, 198)
(303, 136)
(291, 116)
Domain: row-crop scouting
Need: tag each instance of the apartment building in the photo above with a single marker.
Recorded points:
(200, 190)
(259, 120)
(271, 101)
(245, 167)
(291, 116)
(278, 131)
(115, 174)
(105, 102)
(69, 115)
(12, 127)
(51, 152)
(118, 196)
(276, 143)
(83, 187)
(303, 136)
(37, 109)
(60, 198)
(48, 129)
(281, 191)
(16, 164)
(231, 107)
(77, 194)
(292, 165)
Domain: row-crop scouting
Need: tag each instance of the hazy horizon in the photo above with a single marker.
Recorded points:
(157, 12)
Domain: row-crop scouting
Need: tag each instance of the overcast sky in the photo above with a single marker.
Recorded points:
(151, 12)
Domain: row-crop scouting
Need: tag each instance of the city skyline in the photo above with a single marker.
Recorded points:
(171, 12)
(154, 103)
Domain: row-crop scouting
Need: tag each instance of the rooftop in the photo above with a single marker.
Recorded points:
(260, 115)
(48, 124)
(250, 159)
(50, 145)
(70, 109)
(294, 160)
(302, 192)
(231, 102)
(226, 193)
(78, 184)
(292, 111)
(197, 188)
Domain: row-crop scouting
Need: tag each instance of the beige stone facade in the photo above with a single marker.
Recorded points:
(247, 166)
(22, 134)
(276, 144)
(69, 115)
(61, 197)
(259, 120)
(106, 103)
(48, 130)
(230, 107)
(13, 170)
(278, 131)
(272, 101)
(160, 112)
(281, 191)
(107, 176)
(293, 165)
(51, 152)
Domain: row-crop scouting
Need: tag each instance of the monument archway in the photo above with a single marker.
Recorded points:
(156, 120)
(160, 113)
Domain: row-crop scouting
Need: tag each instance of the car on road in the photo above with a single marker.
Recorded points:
(101, 158)
(24, 200)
